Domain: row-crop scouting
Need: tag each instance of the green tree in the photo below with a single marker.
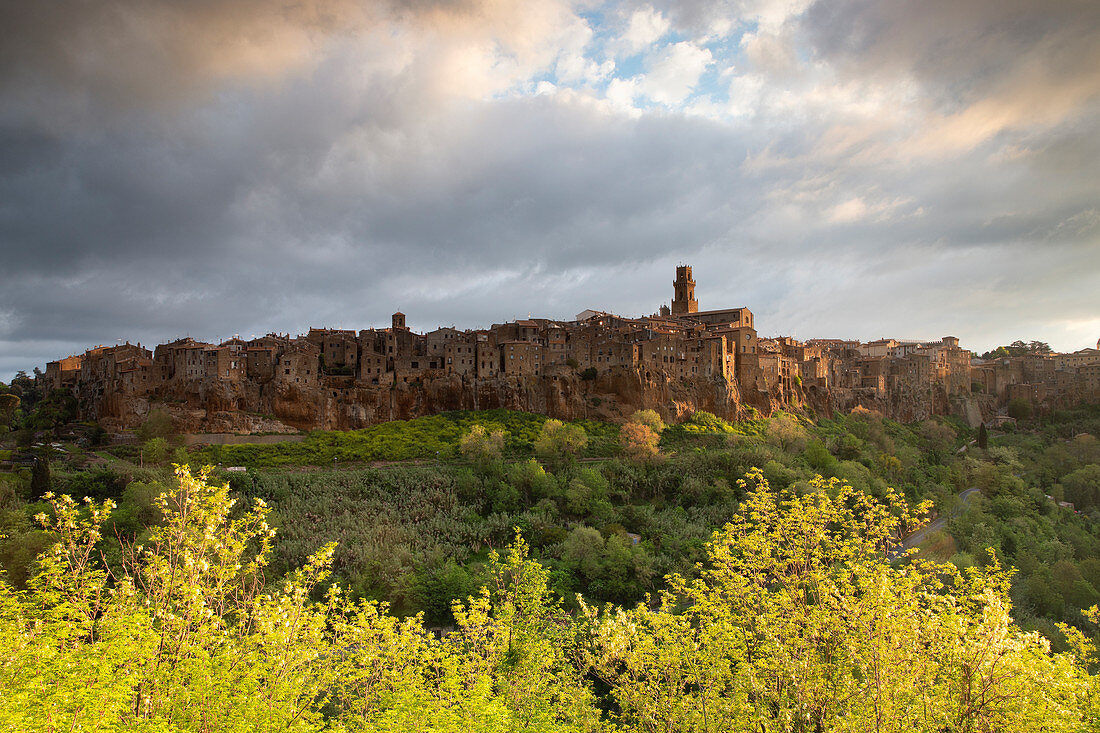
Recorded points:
(155, 450)
(819, 458)
(191, 637)
(586, 494)
(583, 551)
(180, 456)
(1082, 487)
(1019, 409)
(9, 403)
(801, 623)
(1018, 348)
(27, 388)
(649, 418)
(483, 448)
(938, 436)
(157, 424)
(784, 431)
(40, 476)
(558, 443)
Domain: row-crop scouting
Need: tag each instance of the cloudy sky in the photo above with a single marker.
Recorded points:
(845, 168)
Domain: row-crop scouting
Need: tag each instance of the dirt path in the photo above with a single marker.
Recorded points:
(234, 439)
(937, 524)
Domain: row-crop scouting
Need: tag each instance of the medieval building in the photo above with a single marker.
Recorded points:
(679, 359)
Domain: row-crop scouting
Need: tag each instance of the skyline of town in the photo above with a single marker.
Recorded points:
(376, 324)
(595, 364)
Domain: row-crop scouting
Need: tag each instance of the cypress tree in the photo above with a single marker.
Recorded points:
(40, 477)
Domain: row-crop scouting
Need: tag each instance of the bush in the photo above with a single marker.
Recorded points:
(1019, 409)
(639, 441)
(155, 450)
(433, 437)
(559, 442)
(482, 448)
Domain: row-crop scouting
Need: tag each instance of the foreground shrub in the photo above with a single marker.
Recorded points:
(802, 619)
(800, 623)
(192, 638)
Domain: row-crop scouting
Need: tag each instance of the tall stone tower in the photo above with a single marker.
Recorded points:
(684, 291)
(398, 321)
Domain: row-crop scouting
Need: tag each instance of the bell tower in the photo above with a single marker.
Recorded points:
(683, 289)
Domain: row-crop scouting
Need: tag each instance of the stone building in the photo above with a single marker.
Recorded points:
(683, 301)
(460, 354)
(299, 364)
(339, 350)
(521, 358)
(368, 375)
(63, 372)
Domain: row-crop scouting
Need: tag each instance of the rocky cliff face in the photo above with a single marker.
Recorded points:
(339, 403)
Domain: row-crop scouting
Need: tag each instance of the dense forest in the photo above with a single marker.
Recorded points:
(700, 576)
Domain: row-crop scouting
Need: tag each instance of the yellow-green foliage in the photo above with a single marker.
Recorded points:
(436, 436)
(703, 423)
(191, 638)
(799, 621)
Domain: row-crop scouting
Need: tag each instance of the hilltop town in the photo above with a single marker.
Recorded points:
(677, 361)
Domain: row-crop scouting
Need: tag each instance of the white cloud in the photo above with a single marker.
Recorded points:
(646, 27)
(621, 93)
(672, 73)
(575, 68)
(744, 94)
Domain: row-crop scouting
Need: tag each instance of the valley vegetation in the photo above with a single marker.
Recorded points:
(700, 576)
(797, 621)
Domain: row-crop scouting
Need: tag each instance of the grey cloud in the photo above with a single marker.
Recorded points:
(965, 51)
(355, 187)
(127, 52)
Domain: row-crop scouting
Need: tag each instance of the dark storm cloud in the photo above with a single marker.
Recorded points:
(229, 233)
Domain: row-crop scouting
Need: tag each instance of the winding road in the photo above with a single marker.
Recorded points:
(938, 523)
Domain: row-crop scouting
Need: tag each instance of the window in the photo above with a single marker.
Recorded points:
(286, 371)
